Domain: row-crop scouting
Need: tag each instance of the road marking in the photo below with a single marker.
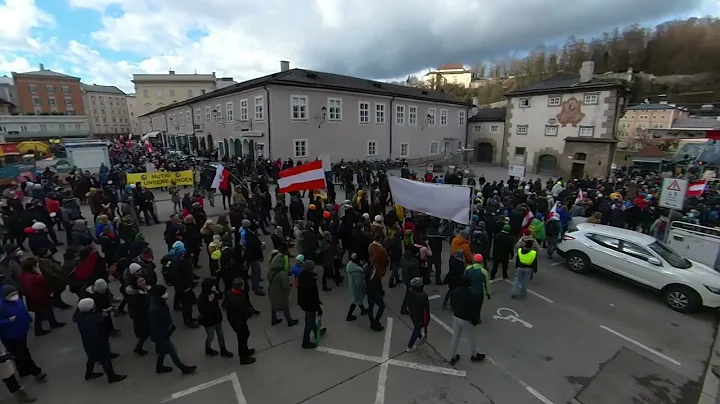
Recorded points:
(385, 361)
(645, 347)
(526, 386)
(495, 280)
(547, 299)
(554, 264)
(239, 395)
(511, 316)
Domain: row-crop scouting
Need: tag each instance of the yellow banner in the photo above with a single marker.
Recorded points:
(161, 179)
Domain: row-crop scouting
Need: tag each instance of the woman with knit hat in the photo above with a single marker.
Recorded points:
(95, 340)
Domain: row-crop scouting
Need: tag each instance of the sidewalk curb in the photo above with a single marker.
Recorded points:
(711, 383)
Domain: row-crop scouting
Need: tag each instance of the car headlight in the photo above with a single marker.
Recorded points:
(712, 289)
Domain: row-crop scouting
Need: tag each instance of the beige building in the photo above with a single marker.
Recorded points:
(451, 73)
(153, 91)
(106, 109)
(641, 117)
(134, 113)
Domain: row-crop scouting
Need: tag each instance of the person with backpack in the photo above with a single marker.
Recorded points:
(279, 287)
(466, 316)
(418, 305)
(478, 276)
(184, 282)
(176, 250)
(552, 233)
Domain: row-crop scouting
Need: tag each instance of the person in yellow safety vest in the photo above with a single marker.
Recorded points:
(526, 265)
(478, 276)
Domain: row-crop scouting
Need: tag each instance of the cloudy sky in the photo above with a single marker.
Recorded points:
(106, 41)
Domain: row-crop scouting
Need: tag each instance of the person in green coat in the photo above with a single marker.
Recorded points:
(356, 283)
(537, 228)
(279, 287)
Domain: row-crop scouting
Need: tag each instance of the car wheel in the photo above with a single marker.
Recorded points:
(682, 298)
(578, 262)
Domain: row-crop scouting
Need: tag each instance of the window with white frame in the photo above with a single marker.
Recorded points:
(554, 101)
(334, 109)
(405, 149)
(198, 115)
(400, 115)
(218, 113)
(207, 115)
(259, 108)
(434, 148)
(301, 148)
(182, 120)
(379, 113)
(592, 99)
(431, 117)
(494, 128)
(299, 106)
(188, 118)
(33, 88)
(372, 148)
(412, 115)
(229, 113)
(524, 102)
(363, 112)
(551, 130)
(586, 131)
(244, 110)
(521, 130)
(461, 118)
(477, 128)
(443, 117)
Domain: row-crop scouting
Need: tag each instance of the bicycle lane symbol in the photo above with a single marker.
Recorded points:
(510, 315)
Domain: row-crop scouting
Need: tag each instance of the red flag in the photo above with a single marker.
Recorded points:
(308, 176)
(696, 188)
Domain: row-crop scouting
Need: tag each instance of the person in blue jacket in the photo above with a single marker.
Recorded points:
(14, 326)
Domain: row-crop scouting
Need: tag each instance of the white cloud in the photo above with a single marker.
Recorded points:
(12, 63)
(17, 20)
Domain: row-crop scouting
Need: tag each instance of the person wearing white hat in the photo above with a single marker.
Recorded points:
(95, 340)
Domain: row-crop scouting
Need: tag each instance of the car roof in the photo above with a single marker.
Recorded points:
(624, 234)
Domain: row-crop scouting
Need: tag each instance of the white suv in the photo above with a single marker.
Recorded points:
(686, 285)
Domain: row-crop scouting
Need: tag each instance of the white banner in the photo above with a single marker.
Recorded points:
(450, 202)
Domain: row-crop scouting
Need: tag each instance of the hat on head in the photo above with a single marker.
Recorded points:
(478, 258)
(416, 282)
(366, 216)
(326, 215)
(312, 206)
(100, 286)
(378, 218)
(134, 267)
(299, 258)
(85, 305)
(39, 226)
(6, 290)
(506, 227)
(308, 265)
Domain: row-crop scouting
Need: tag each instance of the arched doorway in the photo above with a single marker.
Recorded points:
(238, 148)
(227, 149)
(547, 164)
(484, 152)
(210, 143)
(245, 147)
(202, 144)
(193, 146)
(251, 152)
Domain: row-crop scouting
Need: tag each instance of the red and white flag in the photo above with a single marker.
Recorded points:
(222, 178)
(528, 218)
(149, 146)
(696, 188)
(308, 176)
(579, 197)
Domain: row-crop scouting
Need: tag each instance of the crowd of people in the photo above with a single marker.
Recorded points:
(363, 240)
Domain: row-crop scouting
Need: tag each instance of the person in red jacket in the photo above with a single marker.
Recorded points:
(38, 295)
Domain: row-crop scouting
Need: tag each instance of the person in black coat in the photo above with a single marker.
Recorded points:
(183, 281)
(410, 269)
(309, 302)
(238, 311)
(138, 306)
(456, 270)
(95, 340)
(210, 317)
(466, 316)
(503, 251)
(192, 239)
(161, 329)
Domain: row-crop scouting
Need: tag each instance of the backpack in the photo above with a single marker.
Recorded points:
(166, 268)
(552, 228)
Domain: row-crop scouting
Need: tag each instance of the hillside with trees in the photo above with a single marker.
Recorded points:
(680, 59)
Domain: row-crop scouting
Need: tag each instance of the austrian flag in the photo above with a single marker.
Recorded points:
(305, 177)
(696, 188)
(221, 181)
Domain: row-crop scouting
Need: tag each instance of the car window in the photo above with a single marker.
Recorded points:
(670, 256)
(605, 241)
(636, 250)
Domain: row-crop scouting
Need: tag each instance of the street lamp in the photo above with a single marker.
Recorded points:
(323, 110)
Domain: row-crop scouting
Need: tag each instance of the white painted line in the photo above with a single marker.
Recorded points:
(554, 264)
(388, 339)
(547, 299)
(433, 297)
(239, 395)
(645, 347)
(428, 368)
(353, 355)
(382, 376)
(496, 280)
(527, 387)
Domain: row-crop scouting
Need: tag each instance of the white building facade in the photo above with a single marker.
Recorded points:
(303, 114)
(107, 110)
(565, 126)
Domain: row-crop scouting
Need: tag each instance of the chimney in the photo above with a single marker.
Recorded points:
(284, 65)
(586, 71)
(171, 71)
(42, 67)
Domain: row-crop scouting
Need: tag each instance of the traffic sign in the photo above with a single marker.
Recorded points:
(673, 193)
